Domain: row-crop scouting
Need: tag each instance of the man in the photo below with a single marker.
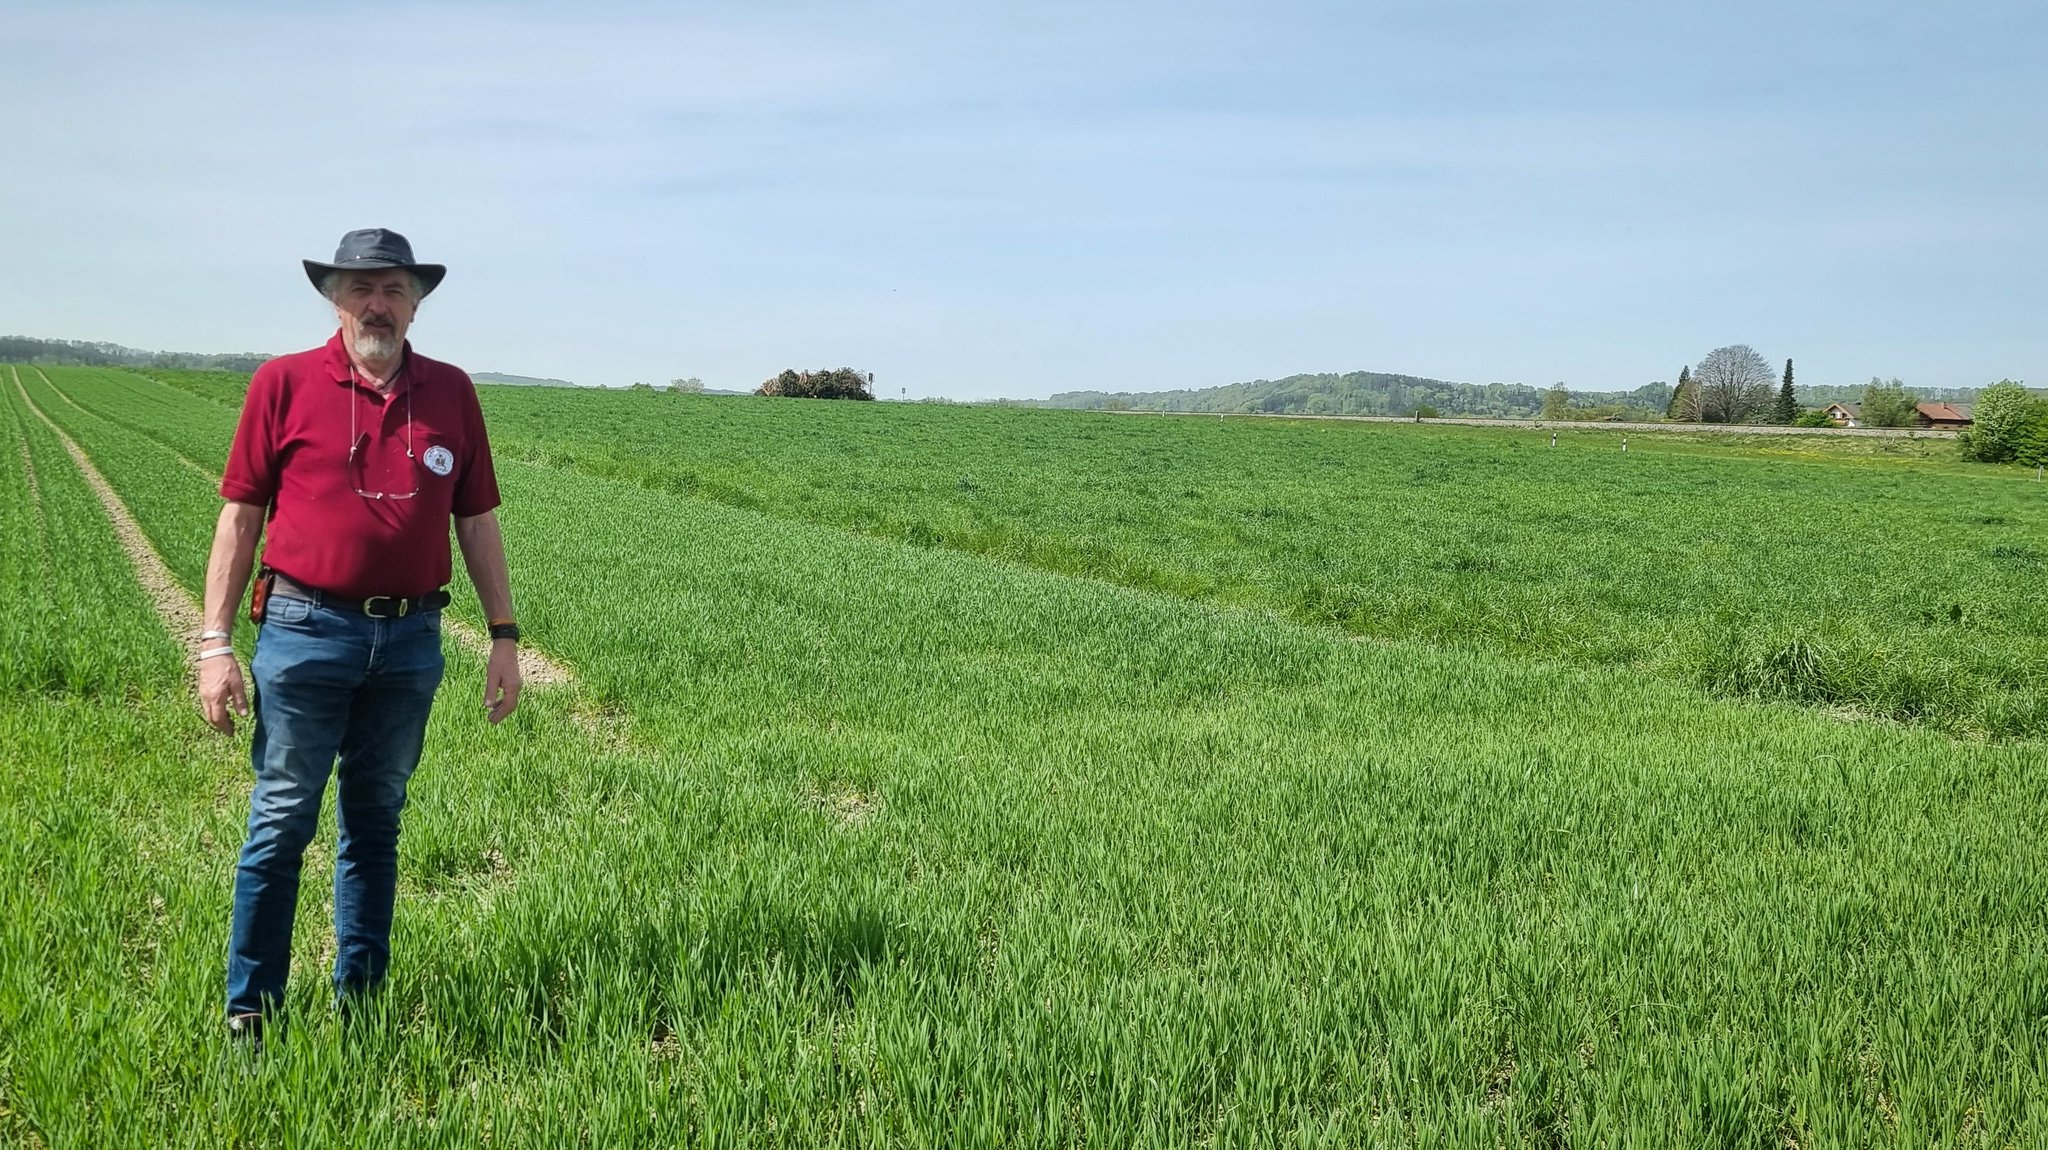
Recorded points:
(352, 458)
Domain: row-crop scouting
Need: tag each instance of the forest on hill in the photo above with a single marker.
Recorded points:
(92, 353)
(1371, 393)
(1380, 393)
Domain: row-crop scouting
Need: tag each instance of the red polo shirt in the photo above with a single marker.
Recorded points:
(292, 452)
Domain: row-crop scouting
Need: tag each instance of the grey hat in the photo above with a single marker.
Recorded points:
(367, 249)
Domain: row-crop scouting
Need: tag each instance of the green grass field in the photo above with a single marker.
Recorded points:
(942, 777)
(1845, 574)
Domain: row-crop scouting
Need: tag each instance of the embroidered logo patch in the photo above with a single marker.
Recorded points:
(439, 460)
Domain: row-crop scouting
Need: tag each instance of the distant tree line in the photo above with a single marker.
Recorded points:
(1371, 393)
(83, 353)
(1822, 394)
(1732, 384)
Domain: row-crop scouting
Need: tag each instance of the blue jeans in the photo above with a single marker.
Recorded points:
(335, 691)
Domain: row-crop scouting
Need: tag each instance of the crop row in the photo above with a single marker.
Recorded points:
(225, 388)
(173, 512)
(82, 654)
(198, 433)
(69, 627)
(853, 841)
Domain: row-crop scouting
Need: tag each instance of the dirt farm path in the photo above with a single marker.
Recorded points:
(177, 609)
(179, 613)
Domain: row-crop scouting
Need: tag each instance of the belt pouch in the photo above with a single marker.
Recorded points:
(259, 594)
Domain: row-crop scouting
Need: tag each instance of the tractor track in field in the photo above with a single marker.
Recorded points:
(179, 612)
(535, 669)
(188, 461)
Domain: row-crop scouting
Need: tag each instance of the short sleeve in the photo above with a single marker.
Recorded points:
(476, 485)
(251, 473)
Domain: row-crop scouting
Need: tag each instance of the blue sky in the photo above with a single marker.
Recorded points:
(981, 200)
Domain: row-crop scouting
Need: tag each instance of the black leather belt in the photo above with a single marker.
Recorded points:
(376, 606)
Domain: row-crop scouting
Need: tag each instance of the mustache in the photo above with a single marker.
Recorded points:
(382, 321)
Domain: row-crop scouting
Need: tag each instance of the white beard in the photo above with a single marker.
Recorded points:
(376, 346)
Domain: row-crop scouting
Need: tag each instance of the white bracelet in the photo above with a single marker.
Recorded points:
(205, 635)
(216, 652)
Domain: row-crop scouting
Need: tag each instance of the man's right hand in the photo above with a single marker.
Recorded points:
(221, 695)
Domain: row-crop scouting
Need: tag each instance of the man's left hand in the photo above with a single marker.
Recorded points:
(502, 679)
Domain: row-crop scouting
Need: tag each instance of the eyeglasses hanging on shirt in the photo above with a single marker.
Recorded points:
(359, 443)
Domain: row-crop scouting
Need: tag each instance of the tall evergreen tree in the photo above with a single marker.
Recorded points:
(1787, 408)
(1685, 400)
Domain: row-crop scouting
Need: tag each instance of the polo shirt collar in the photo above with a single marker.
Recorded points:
(339, 368)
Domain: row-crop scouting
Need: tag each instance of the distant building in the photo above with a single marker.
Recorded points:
(1943, 415)
(1845, 414)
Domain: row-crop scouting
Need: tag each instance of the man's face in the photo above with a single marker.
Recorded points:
(376, 310)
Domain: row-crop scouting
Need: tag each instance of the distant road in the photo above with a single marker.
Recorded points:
(1574, 425)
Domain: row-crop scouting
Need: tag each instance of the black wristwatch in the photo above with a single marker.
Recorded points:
(505, 631)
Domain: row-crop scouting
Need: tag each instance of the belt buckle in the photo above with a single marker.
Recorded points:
(369, 606)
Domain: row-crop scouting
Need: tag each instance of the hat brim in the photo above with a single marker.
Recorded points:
(430, 274)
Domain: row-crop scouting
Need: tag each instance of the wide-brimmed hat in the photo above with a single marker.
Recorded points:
(368, 249)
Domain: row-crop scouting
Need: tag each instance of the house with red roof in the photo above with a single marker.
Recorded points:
(1945, 416)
